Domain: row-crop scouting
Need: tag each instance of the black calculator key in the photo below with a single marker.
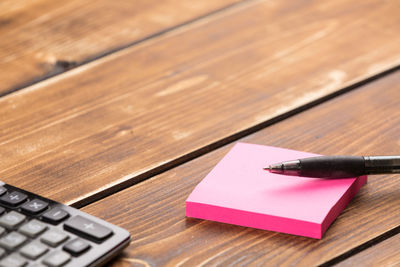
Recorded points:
(55, 215)
(35, 206)
(87, 228)
(14, 198)
(2, 190)
(76, 247)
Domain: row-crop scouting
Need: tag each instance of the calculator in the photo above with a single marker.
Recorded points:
(36, 231)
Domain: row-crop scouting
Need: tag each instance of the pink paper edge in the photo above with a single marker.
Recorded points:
(343, 202)
(274, 223)
(252, 219)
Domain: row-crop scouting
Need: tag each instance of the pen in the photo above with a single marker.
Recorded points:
(337, 166)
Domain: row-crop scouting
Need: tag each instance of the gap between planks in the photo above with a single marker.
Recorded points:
(89, 199)
(389, 233)
(224, 141)
(232, 138)
(362, 247)
(67, 69)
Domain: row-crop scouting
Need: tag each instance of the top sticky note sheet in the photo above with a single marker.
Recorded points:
(238, 191)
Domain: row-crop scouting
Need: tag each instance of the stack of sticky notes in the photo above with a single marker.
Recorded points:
(238, 191)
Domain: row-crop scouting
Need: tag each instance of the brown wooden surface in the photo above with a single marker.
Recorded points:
(385, 253)
(173, 87)
(42, 38)
(363, 122)
(117, 119)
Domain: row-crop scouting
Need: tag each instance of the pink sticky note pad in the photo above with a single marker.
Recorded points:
(238, 191)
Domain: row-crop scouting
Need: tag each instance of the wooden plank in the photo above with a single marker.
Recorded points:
(363, 122)
(42, 38)
(123, 118)
(385, 253)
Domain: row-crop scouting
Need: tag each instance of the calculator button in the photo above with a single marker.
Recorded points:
(12, 241)
(32, 228)
(33, 250)
(87, 228)
(11, 219)
(57, 258)
(53, 237)
(55, 215)
(14, 198)
(2, 231)
(2, 210)
(3, 190)
(76, 247)
(34, 206)
(13, 260)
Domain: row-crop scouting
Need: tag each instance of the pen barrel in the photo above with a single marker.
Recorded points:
(332, 166)
(382, 164)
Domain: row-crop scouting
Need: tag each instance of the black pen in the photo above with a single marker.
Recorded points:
(337, 166)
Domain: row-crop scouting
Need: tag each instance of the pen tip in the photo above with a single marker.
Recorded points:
(267, 168)
(275, 168)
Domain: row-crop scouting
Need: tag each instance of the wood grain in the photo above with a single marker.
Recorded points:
(42, 38)
(363, 122)
(385, 253)
(123, 118)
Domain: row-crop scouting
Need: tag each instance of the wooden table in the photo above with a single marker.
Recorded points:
(121, 107)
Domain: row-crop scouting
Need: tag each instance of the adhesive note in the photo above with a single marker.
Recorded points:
(238, 191)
